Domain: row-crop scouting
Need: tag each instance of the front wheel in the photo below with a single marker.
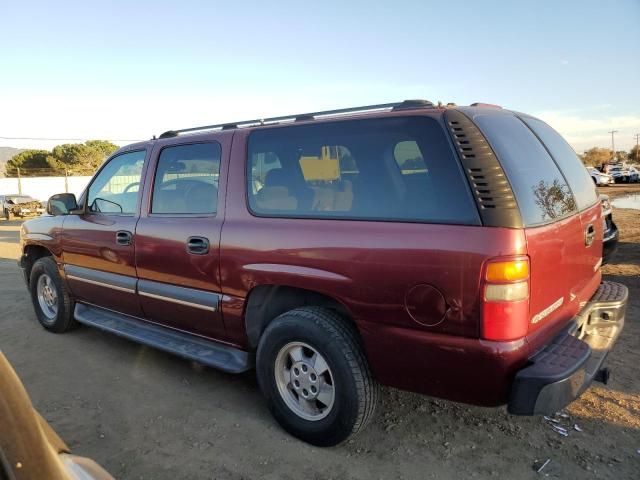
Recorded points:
(312, 370)
(52, 303)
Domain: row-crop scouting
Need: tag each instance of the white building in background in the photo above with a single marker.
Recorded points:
(41, 188)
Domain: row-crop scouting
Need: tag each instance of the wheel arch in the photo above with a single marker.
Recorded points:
(32, 253)
(265, 302)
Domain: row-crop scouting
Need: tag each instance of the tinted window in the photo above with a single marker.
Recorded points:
(540, 189)
(115, 188)
(573, 169)
(399, 169)
(186, 179)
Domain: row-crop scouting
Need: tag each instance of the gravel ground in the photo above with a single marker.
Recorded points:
(144, 414)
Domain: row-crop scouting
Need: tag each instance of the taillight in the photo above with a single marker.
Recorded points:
(505, 298)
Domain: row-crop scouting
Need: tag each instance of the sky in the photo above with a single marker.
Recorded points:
(123, 70)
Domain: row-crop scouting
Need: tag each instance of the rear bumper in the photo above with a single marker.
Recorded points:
(565, 368)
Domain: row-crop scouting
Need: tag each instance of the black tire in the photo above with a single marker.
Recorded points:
(355, 390)
(8, 215)
(62, 321)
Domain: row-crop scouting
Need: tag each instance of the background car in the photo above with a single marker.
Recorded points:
(611, 233)
(20, 206)
(600, 178)
(620, 173)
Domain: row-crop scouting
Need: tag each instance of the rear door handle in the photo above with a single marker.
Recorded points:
(123, 237)
(198, 245)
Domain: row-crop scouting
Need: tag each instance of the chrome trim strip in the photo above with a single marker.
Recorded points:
(180, 302)
(100, 284)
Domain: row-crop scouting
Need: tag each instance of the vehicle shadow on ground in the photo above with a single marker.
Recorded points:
(626, 254)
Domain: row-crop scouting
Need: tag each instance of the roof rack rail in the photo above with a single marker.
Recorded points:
(485, 105)
(407, 104)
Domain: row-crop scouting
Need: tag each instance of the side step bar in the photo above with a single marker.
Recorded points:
(213, 354)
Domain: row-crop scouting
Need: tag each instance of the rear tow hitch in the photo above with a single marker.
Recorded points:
(602, 375)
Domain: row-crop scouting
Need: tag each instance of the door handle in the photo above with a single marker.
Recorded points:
(198, 245)
(123, 237)
(589, 235)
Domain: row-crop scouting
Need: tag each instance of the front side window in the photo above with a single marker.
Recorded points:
(115, 189)
(394, 169)
(186, 180)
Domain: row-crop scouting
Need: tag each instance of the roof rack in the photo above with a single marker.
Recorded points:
(485, 105)
(405, 105)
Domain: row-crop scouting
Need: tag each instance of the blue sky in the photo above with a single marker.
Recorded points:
(125, 70)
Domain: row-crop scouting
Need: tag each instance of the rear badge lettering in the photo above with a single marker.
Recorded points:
(545, 313)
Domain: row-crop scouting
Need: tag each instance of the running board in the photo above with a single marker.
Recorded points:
(212, 354)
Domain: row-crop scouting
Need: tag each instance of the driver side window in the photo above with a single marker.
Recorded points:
(115, 189)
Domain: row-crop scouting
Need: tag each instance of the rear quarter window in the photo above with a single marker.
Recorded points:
(574, 171)
(541, 191)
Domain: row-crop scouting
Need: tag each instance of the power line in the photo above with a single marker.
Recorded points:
(69, 139)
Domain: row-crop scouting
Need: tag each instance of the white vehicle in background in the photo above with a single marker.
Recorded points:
(634, 175)
(600, 178)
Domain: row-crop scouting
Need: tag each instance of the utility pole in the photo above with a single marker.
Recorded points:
(613, 144)
(637, 135)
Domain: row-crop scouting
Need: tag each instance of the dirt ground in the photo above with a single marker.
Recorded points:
(144, 414)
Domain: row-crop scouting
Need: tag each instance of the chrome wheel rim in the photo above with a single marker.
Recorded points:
(304, 381)
(47, 297)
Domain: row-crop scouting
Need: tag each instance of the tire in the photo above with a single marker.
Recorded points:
(346, 394)
(8, 215)
(51, 300)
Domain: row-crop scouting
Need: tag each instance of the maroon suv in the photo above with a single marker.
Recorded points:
(451, 251)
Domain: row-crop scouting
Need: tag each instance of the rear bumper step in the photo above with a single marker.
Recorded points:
(207, 352)
(565, 368)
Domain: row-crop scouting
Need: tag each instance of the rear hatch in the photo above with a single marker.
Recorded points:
(560, 211)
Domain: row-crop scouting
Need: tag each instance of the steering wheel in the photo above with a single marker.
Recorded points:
(130, 186)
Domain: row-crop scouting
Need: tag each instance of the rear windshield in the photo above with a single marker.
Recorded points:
(541, 191)
(573, 169)
(395, 169)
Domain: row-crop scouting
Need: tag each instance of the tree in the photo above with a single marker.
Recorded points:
(74, 158)
(596, 156)
(621, 156)
(634, 155)
(81, 158)
(27, 161)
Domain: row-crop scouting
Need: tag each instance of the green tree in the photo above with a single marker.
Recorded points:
(80, 158)
(30, 163)
(596, 156)
(74, 158)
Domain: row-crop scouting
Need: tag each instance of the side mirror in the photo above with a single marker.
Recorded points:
(62, 204)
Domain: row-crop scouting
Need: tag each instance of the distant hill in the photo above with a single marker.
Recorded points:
(5, 154)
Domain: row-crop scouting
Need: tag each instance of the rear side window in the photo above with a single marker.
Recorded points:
(574, 171)
(540, 189)
(186, 179)
(395, 169)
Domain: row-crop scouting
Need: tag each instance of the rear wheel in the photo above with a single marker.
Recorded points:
(315, 377)
(51, 300)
